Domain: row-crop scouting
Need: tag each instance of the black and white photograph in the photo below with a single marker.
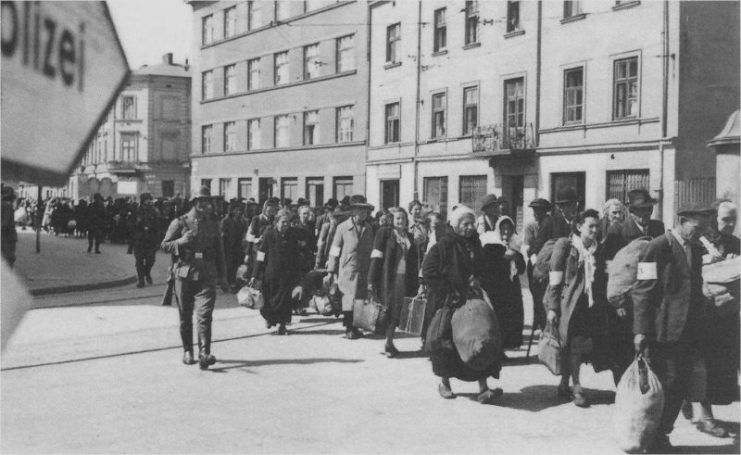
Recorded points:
(370, 226)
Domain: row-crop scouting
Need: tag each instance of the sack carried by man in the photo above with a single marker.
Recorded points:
(369, 315)
(722, 277)
(413, 315)
(639, 404)
(623, 272)
(250, 298)
(550, 349)
(476, 333)
(543, 262)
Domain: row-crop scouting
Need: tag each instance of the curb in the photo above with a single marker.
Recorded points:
(83, 287)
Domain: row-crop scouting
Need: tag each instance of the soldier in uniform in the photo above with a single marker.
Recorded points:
(145, 235)
(198, 263)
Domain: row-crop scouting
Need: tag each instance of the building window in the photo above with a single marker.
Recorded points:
(514, 103)
(253, 134)
(128, 107)
(436, 194)
(289, 188)
(513, 16)
(620, 182)
(470, 110)
(393, 43)
(315, 191)
(472, 190)
(230, 137)
(129, 147)
(571, 9)
(282, 10)
(207, 29)
(281, 68)
(281, 131)
(389, 193)
(472, 22)
(441, 31)
(253, 74)
(168, 188)
(230, 22)
(626, 88)
(207, 85)
(438, 115)
(575, 180)
(224, 185)
(311, 128)
(345, 53)
(206, 136)
(311, 61)
(230, 80)
(341, 187)
(244, 188)
(573, 95)
(345, 124)
(206, 183)
(254, 15)
(393, 123)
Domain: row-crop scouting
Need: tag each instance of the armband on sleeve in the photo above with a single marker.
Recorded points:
(646, 271)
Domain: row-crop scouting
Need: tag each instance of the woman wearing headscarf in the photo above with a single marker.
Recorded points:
(393, 271)
(453, 270)
(576, 302)
(277, 271)
(503, 264)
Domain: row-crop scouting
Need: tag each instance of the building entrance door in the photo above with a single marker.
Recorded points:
(266, 189)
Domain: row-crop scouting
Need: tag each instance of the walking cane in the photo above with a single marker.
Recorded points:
(530, 343)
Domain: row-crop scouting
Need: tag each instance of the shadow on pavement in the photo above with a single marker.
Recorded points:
(317, 332)
(539, 397)
(232, 364)
(729, 448)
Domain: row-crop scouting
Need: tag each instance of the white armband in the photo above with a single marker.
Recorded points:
(376, 254)
(334, 251)
(555, 278)
(261, 256)
(646, 271)
(251, 238)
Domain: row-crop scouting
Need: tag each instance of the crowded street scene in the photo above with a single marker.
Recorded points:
(371, 227)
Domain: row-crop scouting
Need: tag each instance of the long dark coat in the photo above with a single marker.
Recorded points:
(505, 293)
(447, 268)
(621, 234)
(277, 266)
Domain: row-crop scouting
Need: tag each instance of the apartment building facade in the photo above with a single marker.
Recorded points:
(280, 99)
(144, 144)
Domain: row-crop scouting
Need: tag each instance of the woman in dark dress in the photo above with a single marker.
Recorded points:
(503, 264)
(452, 270)
(393, 271)
(278, 272)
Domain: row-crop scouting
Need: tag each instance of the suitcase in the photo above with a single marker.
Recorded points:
(413, 315)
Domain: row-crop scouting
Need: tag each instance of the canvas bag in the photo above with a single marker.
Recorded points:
(476, 334)
(550, 349)
(622, 272)
(369, 315)
(250, 298)
(639, 404)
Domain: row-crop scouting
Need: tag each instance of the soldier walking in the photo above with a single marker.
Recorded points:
(194, 241)
(144, 231)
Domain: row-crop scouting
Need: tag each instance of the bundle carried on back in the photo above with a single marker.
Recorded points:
(543, 261)
(623, 272)
(476, 333)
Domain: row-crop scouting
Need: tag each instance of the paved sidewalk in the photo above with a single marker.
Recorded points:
(64, 265)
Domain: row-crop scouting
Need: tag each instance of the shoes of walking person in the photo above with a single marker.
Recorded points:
(563, 391)
(661, 444)
(579, 399)
(97, 251)
(282, 330)
(687, 410)
(206, 360)
(140, 284)
(391, 351)
(188, 358)
(353, 334)
(149, 279)
(711, 427)
(445, 392)
(489, 396)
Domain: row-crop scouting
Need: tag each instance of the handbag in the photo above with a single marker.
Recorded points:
(413, 314)
(550, 349)
(250, 298)
(369, 315)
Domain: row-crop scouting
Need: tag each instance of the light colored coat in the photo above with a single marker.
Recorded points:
(349, 258)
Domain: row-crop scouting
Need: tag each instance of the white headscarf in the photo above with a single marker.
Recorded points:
(458, 213)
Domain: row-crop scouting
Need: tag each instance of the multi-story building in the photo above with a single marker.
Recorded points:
(280, 98)
(144, 144)
(521, 98)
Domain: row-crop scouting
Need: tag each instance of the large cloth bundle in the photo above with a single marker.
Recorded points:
(21, 216)
(476, 334)
(639, 404)
(250, 298)
(550, 349)
(413, 315)
(722, 277)
(623, 272)
(543, 262)
(369, 315)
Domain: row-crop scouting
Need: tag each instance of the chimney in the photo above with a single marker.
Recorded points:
(167, 58)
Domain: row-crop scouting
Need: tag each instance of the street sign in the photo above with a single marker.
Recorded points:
(62, 69)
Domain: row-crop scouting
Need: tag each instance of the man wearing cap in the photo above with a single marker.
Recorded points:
(194, 241)
(668, 305)
(491, 206)
(233, 230)
(8, 236)
(144, 228)
(258, 225)
(638, 224)
(349, 259)
(540, 207)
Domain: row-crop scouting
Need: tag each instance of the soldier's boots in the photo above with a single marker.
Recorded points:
(140, 284)
(205, 358)
(188, 358)
(149, 278)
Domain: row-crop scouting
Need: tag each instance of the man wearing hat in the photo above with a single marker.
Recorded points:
(669, 310)
(491, 206)
(558, 224)
(540, 207)
(349, 259)
(326, 235)
(329, 207)
(258, 225)
(233, 230)
(638, 224)
(198, 264)
(145, 235)
(8, 236)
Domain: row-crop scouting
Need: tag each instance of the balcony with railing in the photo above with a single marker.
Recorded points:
(499, 139)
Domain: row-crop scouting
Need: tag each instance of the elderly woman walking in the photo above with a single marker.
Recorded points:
(393, 271)
(453, 270)
(576, 302)
(278, 272)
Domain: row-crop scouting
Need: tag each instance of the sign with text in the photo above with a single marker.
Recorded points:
(62, 68)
